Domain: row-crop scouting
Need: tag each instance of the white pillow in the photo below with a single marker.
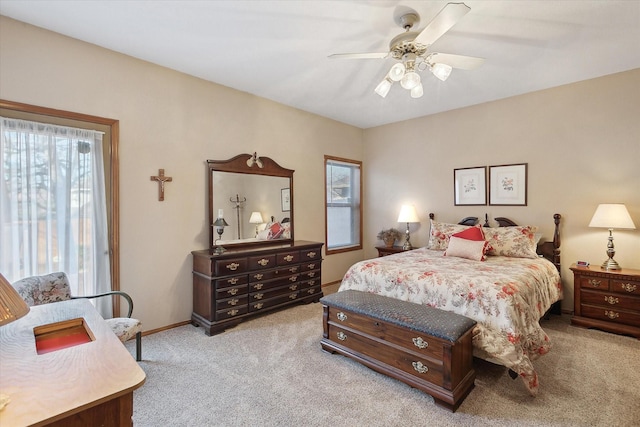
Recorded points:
(464, 248)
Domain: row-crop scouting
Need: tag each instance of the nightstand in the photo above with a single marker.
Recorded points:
(384, 250)
(607, 300)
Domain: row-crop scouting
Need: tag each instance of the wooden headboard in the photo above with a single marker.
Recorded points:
(549, 250)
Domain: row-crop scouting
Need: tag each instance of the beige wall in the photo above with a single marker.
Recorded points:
(582, 144)
(173, 121)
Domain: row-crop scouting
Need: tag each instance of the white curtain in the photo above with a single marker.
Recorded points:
(53, 213)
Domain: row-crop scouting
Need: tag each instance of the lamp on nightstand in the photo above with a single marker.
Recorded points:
(611, 216)
(408, 214)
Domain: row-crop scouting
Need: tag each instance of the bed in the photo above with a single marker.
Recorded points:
(507, 288)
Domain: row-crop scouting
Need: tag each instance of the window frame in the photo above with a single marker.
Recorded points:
(358, 165)
(111, 142)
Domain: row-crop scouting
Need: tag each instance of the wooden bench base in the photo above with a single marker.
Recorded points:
(435, 365)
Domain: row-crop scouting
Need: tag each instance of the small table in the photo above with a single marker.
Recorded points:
(385, 250)
(86, 384)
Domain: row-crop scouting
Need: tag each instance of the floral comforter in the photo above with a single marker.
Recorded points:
(506, 296)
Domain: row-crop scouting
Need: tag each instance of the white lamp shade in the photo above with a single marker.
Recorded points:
(441, 71)
(397, 72)
(256, 218)
(417, 91)
(408, 214)
(614, 215)
(383, 88)
(410, 80)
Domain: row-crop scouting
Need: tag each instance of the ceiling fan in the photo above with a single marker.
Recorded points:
(411, 49)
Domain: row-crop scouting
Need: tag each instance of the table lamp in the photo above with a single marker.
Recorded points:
(611, 216)
(219, 224)
(408, 214)
(256, 218)
(12, 307)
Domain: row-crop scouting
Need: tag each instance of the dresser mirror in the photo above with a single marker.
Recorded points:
(254, 196)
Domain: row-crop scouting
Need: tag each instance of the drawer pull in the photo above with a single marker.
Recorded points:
(420, 368)
(293, 287)
(233, 280)
(233, 301)
(293, 296)
(288, 258)
(312, 282)
(258, 296)
(341, 336)
(611, 300)
(629, 287)
(312, 274)
(311, 291)
(293, 269)
(233, 266)
(611, 314)
(293, 278)
(258, 286)
(263, 262)
(420, 343)
(311, 254)
(232, 291)
(258, 276)
(312, 266)
(258, 306)
(341, 316)
(232, 312)
(595, 282)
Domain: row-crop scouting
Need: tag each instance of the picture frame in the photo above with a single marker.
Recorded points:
(285, 199)
(470, 188)
(508, 185)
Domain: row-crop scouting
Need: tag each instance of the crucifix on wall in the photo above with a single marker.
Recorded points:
(161, 180)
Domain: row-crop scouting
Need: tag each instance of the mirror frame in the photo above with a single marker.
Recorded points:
(242, 164)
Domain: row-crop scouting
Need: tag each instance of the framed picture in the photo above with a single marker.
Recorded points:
(285, 200)
(508, 185)
(470, 186)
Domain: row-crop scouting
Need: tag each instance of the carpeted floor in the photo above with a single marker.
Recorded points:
(271, 371)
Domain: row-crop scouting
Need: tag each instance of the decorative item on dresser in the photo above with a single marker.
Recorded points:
(607, 300)
(229, 287)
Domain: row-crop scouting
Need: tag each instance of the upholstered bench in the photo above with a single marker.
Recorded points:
(424, 347)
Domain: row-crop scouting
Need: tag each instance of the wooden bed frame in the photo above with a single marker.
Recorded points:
(548, 250)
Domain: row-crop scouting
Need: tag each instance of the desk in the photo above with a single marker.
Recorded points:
(88, 384)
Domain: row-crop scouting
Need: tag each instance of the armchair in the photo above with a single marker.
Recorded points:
(54, 287)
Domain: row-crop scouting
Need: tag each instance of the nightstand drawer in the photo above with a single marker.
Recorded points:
(599, 283)
(626, 287)
(611, 300)
(611, 314)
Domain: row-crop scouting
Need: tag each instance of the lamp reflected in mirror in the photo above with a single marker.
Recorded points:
(219, 224)
(256, 218)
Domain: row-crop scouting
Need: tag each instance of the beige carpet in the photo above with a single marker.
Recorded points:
(271, 371)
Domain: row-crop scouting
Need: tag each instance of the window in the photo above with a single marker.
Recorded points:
(343, 208)
(58, 201)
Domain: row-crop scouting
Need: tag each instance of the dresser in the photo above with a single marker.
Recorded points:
(607, 300)
(238, 284)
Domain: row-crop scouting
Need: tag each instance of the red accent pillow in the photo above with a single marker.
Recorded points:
(275, 231)
(473, 233)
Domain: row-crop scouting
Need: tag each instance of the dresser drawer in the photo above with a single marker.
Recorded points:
(287, 258)
(425, 368)
(412, 341)
(232, 291)
(611, 314)
(587, 282)
(631, 287)
(610, 300)
(225, 267)
(310, 254)
(271, 302)
(262, 262)
(233, 302)
(231, 312)
(307, 266)
(230, 281)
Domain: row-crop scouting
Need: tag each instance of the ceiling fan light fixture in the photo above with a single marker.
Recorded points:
(410, 80)
(417, 91)
(397, 72)
(441, 71)
(383, 88)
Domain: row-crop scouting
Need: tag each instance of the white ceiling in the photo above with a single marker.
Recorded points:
(278, 49)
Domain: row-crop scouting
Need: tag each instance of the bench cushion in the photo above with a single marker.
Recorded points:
(432, 321)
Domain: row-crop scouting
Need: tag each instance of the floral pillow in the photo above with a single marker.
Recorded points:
(440, 233)
(517, 242)
(466, 248)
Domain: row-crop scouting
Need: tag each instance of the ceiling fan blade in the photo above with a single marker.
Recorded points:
(444, 20)
(372, 55)
(457, 61)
